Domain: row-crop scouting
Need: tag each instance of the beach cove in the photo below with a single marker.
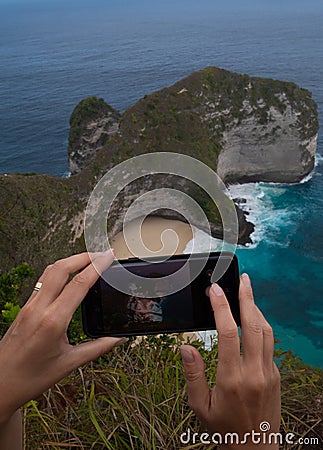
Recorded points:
(63, 60)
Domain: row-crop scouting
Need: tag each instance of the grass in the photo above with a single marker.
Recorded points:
(134, 398)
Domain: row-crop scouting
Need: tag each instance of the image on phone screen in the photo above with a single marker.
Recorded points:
(107, 311)
(138, 312)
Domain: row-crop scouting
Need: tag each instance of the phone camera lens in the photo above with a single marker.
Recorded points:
(209, 273)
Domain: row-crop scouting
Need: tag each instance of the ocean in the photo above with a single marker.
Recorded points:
(53, 54)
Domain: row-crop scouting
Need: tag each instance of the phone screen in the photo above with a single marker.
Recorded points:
(138, 312)
(107, 311)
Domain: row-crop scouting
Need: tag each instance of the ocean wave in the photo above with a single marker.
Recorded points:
(318, 159)
(202, 242)
(307, 178)
(317, 162)
(258, 201)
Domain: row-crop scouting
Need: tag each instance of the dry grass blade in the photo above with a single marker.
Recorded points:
(134, 399)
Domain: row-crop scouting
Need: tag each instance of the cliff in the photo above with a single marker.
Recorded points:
(245, 128)
(92, 123)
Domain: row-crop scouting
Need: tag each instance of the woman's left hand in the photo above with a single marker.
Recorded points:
(35, 352)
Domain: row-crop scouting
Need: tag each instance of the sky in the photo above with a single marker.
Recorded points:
(244, 4)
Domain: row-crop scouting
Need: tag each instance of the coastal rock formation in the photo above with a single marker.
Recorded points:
(179, 208)
(279, 149)
(245, 128)
(92, 124)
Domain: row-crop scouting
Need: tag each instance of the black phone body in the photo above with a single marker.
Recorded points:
(108, 312)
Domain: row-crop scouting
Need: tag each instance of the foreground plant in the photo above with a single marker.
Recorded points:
(134, 398)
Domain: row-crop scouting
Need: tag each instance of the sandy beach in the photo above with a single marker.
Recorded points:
(157, 240)
(151, 232)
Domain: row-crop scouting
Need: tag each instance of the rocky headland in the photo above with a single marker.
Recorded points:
(245, 128)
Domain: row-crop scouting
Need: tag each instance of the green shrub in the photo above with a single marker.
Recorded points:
(11, 285)
(10, 312)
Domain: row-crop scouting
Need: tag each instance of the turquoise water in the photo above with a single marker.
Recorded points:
(286, 263)
(53, 54)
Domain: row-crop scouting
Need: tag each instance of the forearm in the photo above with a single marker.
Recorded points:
(11, 433)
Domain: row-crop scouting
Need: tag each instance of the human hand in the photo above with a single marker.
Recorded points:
(35, 352)
(247, 389)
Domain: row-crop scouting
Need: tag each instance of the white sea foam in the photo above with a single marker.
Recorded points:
(202, 241)
(257, 200)
(317, 162)
(318, 159)
(307, 178)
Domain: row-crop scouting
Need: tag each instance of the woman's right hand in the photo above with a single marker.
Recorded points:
(247, 387)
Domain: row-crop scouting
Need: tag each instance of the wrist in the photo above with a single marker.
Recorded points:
(8, 407)
(6, 414)
(11, 432)
(5, 418)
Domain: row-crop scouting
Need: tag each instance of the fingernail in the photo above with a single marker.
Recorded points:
(217, 290)
(112, 252)
(187, 354)
(121, 341)
(246, 280)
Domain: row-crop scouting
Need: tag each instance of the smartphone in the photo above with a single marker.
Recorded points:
(106, 311)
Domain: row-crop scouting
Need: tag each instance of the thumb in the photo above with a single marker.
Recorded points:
(88, 351)
(198, 390)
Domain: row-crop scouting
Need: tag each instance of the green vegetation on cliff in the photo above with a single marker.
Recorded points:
(191, 115)
(11, 286)
(233, 89)
(42, 216)
(89, 109)
(37, 220)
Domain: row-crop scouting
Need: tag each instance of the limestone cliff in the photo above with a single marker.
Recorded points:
(245, 128)
(92, 123)
(278, 148)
